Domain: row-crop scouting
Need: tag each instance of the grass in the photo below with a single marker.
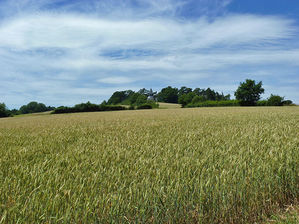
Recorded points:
(289, 216)
(207, 165)
(169, 105)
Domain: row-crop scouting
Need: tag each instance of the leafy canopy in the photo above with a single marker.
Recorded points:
(249, 92)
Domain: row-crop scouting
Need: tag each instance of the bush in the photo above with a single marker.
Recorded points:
(262, 103)
(222, 103)
(35, 107)
(87, 107)
(145, 107)
(287, 103)
(275, 100)
(3, 110)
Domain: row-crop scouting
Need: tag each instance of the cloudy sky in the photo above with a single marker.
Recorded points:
(63, 52)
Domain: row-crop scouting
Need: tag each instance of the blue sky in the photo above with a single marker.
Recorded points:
(63, 52)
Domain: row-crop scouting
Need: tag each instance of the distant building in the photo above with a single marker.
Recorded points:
(151, 95)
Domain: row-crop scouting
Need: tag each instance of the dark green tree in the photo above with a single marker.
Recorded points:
(249, 92)
(184, 90)
(168, 95)
(34, 107)
(3, 110)
(142, 99)
(275, 100)
(186, 98)
(117, 97)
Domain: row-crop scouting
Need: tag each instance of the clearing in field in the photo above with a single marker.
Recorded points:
(207, 165)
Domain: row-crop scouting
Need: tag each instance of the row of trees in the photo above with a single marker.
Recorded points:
(129, 97)
(167, 95)
(32, 107)
(247, 94)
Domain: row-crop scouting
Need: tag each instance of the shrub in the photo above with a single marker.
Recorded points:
(262, 103)
(144, 107)
(3, 110)
(287, 102)
(223, 103)
(275, 100)
(87, 107)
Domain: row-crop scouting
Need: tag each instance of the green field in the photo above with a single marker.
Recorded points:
(202, 165)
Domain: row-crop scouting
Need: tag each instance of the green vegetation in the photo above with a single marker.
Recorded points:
(34, 107)
(224, 103)
(4, 112)
(249, 92)
(289, 216)
(213, 165)
(87, 107)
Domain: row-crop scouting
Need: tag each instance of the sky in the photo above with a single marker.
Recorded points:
(64, 52)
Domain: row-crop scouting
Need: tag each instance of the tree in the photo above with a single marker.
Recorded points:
(197, 99)
(3, 110)
(184, 90)
(248, 93)
(141, 99)
(34, 107)
(186, 98)
(117, 97)
(275, 100)
(168, 95)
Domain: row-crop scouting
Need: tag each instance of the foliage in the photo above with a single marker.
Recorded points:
(87, 107)
(211, 165)
(186, 98)
(3, 110)
(197, 99)
(184, 90)
(168, 95)
(141, 99)
(34, 107)
(248, 93)
(223, 103)
(262, 103)
(144, 106)
(275, 100)
(119, 96)
(287, 102)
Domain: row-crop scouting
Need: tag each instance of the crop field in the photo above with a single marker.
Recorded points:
(203, 165)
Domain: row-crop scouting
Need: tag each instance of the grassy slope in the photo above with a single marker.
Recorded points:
(210, 165)
(169, 105)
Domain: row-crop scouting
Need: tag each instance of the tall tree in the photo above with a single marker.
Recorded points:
(168, 95)
(184, 90)
(3, 110)
(249, 92)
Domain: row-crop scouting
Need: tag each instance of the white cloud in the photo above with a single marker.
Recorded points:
(115, 80)
(53, 53)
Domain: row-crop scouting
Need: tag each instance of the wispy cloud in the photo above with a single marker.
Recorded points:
(54, 48)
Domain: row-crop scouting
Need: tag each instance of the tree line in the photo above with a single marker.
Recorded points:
(32, 107)
(247, 94)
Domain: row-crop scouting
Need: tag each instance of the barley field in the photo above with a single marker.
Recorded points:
(202, 165)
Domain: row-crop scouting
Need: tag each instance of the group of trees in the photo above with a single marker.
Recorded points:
(86, 107)
(32, 107)
(129, 97)
(4, 112)
(247, 94)
(185, 95)
(35, 107)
